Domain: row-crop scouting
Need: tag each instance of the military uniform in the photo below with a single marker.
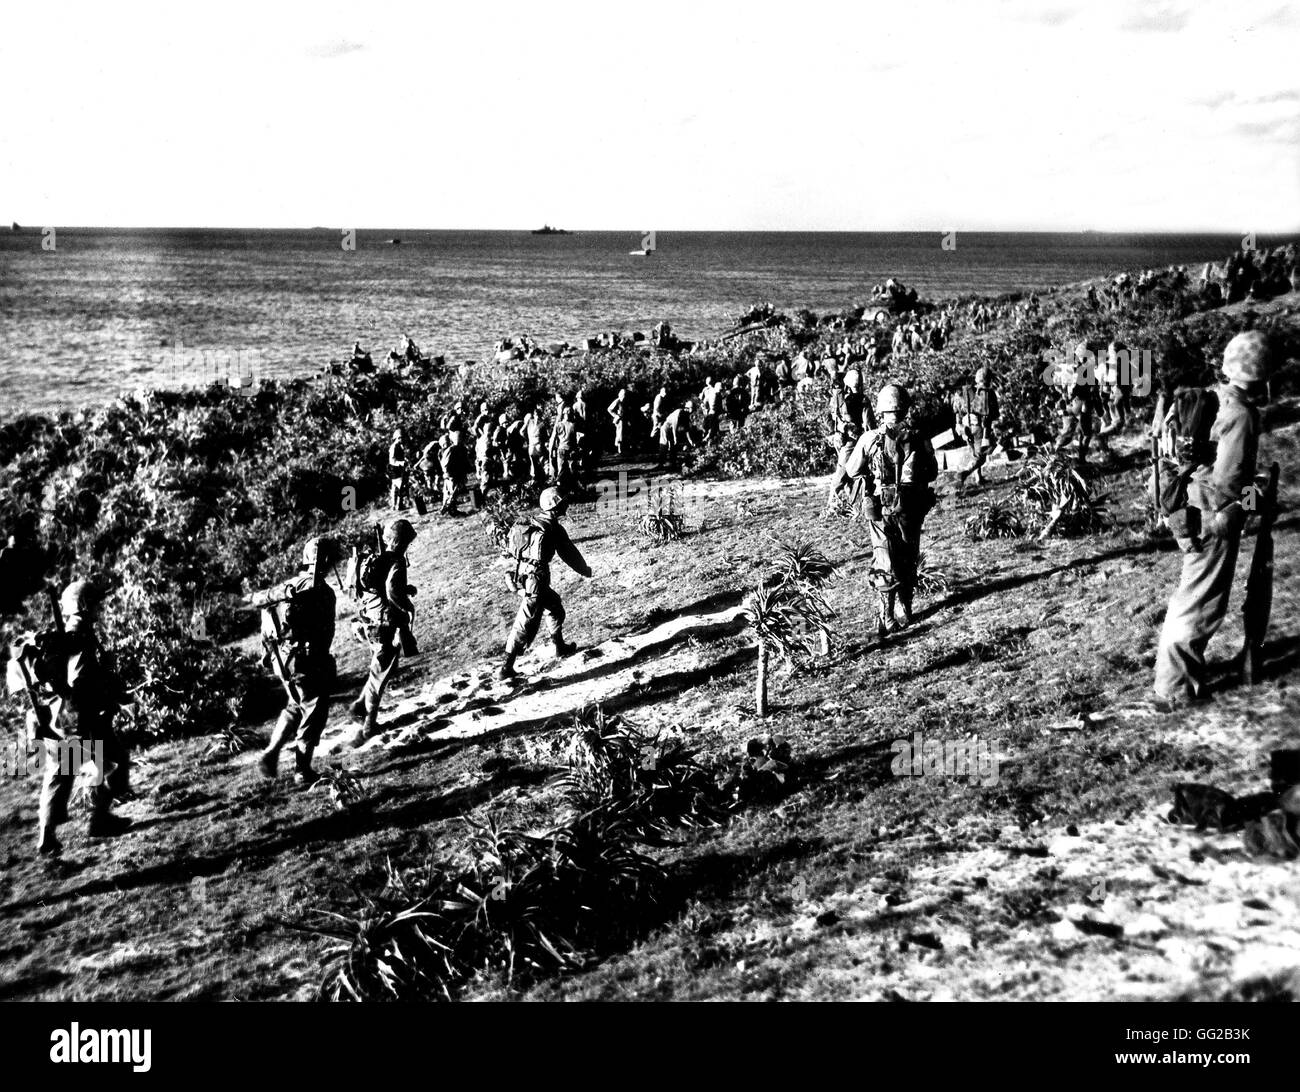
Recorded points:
(533, 583)
(975, 412)
(619, 411)
(846, 428)
(897, 467)
(386, 617)
(1210, 533)
(298, 644)
(79, 694)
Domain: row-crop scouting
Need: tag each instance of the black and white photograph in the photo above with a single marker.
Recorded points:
(698, 502)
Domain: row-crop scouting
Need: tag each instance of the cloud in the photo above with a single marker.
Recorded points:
(339, 48)
(1281, 130)
(1225, 98)
(1161, 20)
(1052, 17)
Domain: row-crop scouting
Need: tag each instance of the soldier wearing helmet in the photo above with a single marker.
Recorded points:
(975, 415)
(535, 546)
(297, 632)
(1210, 538)
(850, 416)
(896, 466)
(737, 403)
(1080, 404)
(78, 694)
(387, 615)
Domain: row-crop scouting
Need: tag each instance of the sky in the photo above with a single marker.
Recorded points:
(699, 115)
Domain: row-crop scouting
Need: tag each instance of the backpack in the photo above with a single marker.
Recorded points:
(1185, 445)
(524, 547)
(367, 567)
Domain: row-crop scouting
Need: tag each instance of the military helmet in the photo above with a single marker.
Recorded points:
(398, 433)
(1247, 358)
(853, 378)
(81, 597)
(504, 419)
(550, 500)
(892, 398)
(981, 377)
(322, 549)
(398, 533)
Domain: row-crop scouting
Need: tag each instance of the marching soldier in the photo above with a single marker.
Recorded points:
(1210, 535)
(76, 694)
(298, 630)
(737, 403)
(533, 547)
(897, 466)
(975, 414)
(846, 427)
(564, 449)
(387, 614)
(1080, 404)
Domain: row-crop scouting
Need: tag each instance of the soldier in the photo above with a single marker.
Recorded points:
(397, 471)
(387, 614)
(897, 467)
(975, 413)
(297, 632)
(22, 564)
(1079, 404)
(484, 418)
(564, 449)
(757, 386)
(532, 429)
(712, 401)
(658, 411)
(585, 440)
(539, 542)
(620, 410)
(1115, 393)
(1210, 533)
(454, 460)
(502, 444)
(737, 403)
(846, 428)
(77, 694)
(484, 451)
(674, 434)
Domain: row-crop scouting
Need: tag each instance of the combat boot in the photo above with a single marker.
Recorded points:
(357, 710)
(887, 624)
(303, 773)
(103, 824)
(507, 670)
(562, 647)
(903, 609)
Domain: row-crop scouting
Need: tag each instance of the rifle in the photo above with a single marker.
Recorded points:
(1259, 588)
(268, 604)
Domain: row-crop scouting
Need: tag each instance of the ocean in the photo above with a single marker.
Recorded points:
(108, 310)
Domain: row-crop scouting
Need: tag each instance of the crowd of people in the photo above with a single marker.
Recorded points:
(883, 464)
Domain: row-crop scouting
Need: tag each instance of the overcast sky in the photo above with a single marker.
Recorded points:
(975, 115)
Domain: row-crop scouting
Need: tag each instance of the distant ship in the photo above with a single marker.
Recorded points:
(15, 227)
(546, 229)
(395, 242)
(641, 253)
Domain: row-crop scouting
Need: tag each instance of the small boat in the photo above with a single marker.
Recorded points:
(394, 242)
(546, 229)
(640, 253)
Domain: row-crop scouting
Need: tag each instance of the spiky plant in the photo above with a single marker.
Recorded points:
(344, 790)
(783, 623)
(661, 527)
(929, 580)
(1057, 497)
(231, 740)
(804, 568)
(996, 520)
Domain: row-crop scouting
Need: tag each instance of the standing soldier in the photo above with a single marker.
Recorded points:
(620, 410)
(484, 418)
(564, 449)
(1115, 392)
(712, 400)
(975, 413)
(897, 467)
(737, 403)
(76, 694)
(483, 452)
(533, 546)
(757, 386)
(387, 614)
(297, 632)
(454, 460)
(846, 428)
(397, 471)
(1210, 533)
(585, 440)
(658, 411)
(532, 429)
